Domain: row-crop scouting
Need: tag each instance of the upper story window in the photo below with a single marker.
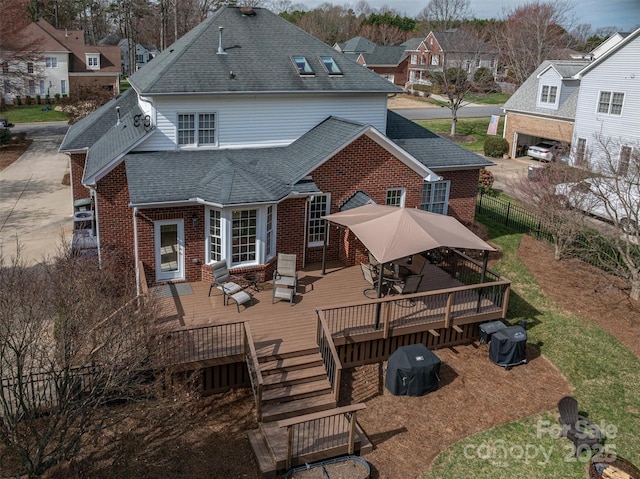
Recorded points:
(610, 103)
(196, 129)
(302, 64)
(395, 197)
(435, 59)
(29, 67)
(435, 196)
(414, 59)
(51, 62)
(93, 62)
(549, 94)
(139, 58)
(331, 66)
(5, 67)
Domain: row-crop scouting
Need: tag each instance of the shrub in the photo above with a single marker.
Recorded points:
(419, 87)
(57, 95)
(485, 181)
(27, 100)
(5, 136)
(38, 99)
(18, 101)
(495, 146)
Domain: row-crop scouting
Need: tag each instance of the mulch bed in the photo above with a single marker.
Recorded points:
(11, 152)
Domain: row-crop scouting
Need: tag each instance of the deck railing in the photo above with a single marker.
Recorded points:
(401, 311)
(330, 358)
(461, 267)
(314, 433)
(184, 346)
(253, 365)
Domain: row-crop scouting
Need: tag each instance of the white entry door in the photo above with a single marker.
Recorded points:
(169, 241)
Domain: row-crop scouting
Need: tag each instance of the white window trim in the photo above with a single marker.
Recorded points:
(196, 120)
(53, 60)
(608, 113)
(92, 56)
(431, 202)
(314, 244)
(548, 104)
(226, 221)
(414, 59)
(402, 196)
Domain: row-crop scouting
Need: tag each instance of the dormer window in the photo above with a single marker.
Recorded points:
(548, 96)
(303, 66)
(331, 66)
(93, 61)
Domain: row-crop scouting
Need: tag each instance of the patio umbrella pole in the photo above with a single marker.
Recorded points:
(485, 261)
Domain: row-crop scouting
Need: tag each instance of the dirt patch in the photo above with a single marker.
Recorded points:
(585, 291)
(11, 152)
(208, 438)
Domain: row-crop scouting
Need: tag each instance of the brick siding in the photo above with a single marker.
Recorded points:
(549, 128)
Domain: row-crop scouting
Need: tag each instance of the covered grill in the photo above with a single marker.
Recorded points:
(413, 371)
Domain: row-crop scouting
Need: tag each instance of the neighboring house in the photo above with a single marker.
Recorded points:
(573, 102)
(609, 104)
(66, 64)
(143, 55)
(235, 141)
(355, 45)
(452, 48)
(390, 62)
(544, 107)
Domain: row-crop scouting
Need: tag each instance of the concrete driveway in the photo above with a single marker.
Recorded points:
(35, 207)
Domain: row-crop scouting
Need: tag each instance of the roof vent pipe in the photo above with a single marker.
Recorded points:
(220, 49)
(118, 115)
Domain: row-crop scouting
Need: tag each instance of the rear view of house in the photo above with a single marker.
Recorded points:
(237, 139)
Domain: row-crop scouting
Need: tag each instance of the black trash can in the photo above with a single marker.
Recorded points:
(413, 371)
(508, 347)
(487, 330)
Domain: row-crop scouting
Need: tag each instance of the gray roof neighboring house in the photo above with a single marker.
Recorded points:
(433, 151)
(256, 58)
(356, 45)
(524, 100)
(459, 41)
(384, 55)
(412, 44)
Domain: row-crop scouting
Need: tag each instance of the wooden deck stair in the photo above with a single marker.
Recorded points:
(295, 385)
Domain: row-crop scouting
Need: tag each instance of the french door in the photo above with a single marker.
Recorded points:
(169, 249)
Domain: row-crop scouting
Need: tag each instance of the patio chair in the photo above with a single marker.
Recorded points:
(370, 276)
(410, 285)
(578, 429)
(285, 278)
(223, 280)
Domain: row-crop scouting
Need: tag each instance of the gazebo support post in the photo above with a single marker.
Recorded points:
(324, 247)
(485, 261)
(379, 305)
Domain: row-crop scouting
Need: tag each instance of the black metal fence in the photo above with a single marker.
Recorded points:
(508, 214)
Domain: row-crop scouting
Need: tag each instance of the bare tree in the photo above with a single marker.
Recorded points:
(73, 339)
(446, 14)
(531, 33)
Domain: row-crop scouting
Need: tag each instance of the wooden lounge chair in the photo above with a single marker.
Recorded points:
(583, 433)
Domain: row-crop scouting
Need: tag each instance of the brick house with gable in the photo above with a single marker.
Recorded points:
(224, 152)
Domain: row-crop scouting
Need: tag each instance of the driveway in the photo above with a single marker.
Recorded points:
(35, 207)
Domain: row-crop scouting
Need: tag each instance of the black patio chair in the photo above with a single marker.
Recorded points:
(578, 429)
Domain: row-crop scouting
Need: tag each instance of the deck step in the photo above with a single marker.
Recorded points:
(299, 407)
(269, 352)
(297, 376)
(276, 366)
(296, 391)
(261, 452)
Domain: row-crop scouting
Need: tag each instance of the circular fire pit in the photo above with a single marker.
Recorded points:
(612, 466)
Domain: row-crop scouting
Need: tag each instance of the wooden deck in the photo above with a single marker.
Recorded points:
(281, 328)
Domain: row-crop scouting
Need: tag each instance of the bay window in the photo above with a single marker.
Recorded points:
(435, 196)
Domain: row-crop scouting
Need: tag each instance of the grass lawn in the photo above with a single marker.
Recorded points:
(124, 85)
(31, 114)
(474, 127)
(603, 374)
(488, 98)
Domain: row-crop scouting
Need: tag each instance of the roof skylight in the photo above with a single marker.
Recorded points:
(303, 66)
(331, 66)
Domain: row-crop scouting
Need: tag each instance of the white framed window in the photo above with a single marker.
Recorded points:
(318, 207)
(32, 87)
(5, 67)
(63, 87)
(548, 94)
(139, 58)
(29, 67)
(51, 62)
(435, 59)
(244, 236)
(241, 236)
(43, 90)
(93, 61)
(435, 196)
(196, 129)
(414, 59)
(395, 197)
(625, 159)
(610, 103)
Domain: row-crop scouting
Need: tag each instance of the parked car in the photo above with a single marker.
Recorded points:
(614, 201)
(545, 150)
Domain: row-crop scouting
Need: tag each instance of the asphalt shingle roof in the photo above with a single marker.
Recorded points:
(459, 41)
(433, 151)
(525, 97)
(258, 50)
(359, 198)
(228, 177)
(357, 45)
(385, 55)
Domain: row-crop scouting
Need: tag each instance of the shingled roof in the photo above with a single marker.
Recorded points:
(258, 49)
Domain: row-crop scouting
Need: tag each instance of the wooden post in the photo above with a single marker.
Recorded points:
(336, 386)
(259, 402)
(352, 432)
(447, 312)
(505, 301)
(289, 446)
(387, 316)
